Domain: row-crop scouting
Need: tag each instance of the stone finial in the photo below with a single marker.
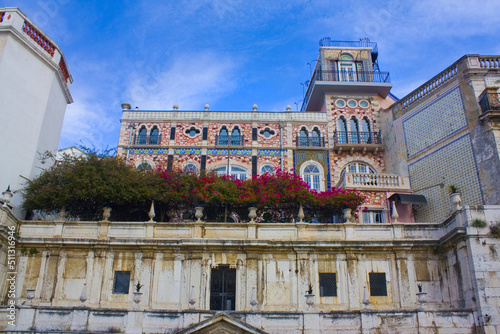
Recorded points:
(254, 107)
(7, 195)
(395, 214)
(288, 107)
(151, 213)
(176, 106)
(83, 295)
(207, 106)
(126, 106)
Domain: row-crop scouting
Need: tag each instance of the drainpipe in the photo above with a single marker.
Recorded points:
(131, 126)
(281, 145)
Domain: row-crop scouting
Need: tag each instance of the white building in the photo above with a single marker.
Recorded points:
(34, 92)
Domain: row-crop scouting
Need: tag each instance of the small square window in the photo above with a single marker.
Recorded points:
(328, 285)
(122, 282)
(373, 217)
(378, 284)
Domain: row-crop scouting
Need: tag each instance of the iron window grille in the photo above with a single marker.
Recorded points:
(121, 283)
(378, 284)
(328, 285)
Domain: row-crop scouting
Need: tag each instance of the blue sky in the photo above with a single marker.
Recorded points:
(234, 53)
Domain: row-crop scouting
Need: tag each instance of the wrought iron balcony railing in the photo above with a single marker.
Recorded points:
(229, 140)
(146, 140)
(355, 137)
(352, 76)
(310, 141)
(489, 101)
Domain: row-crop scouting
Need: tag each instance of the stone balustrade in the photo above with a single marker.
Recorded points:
(375, 182)
(224, 115)
(489, 61)
(430, 86)
(229, 233)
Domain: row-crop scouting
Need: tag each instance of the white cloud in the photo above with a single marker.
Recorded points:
(191, 81)
(86, 124)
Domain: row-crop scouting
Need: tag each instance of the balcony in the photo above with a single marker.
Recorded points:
(146, 140)
(355, 141)
(344, 82)
(374, 182)
(490, 105)
(229, 140)
(310, 142)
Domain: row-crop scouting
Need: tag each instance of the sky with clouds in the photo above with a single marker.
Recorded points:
(232, 54)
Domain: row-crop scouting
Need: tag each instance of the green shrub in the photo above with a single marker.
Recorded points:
(476, 222)
(495, 230)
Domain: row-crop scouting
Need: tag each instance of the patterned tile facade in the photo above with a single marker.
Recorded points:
(451, 164)
(147, 150)
(492, 81)
(231, 152)
(268, 152)
(434, 122)
(187, 151)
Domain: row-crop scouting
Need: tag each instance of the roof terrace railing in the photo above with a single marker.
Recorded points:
(344, 76)
(362, 43)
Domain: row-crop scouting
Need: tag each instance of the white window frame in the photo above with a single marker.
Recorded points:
(307, 177)
(147, 161)
(191, 170)
(374, 216)
(240, 175)
(267, 165)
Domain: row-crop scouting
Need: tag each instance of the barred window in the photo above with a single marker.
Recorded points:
(378, 284)
(122, 282)
(328, 285)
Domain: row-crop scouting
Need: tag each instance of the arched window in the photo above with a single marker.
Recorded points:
(190, 167)
(366, 135)
(360, 167)
(223, 136)
(342, 131)
(267, 169)
(154, 138)
(312, 174)
(303, 137)
(367, 177)
(236, 137)
(347, 68)
(354, 133)
(143, 135)
(316, 138)
(144, 166)
(236, 172)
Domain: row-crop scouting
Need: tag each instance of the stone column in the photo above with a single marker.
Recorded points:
(157, 266)
(178, 279)
(21, 275)
(98, 260)
(108, 274)
(303, 279)
(41, 274)
(354, 284)
(89, 274)
(241, 286)
(406, 281)
(60, 278)
(343, 279)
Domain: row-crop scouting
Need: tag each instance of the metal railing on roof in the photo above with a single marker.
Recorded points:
(362, 43)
